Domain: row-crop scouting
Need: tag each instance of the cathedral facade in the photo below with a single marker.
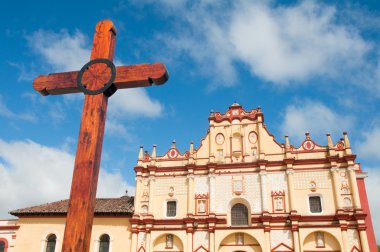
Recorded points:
(239, 190)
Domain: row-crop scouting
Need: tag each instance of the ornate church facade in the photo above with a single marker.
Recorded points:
(240, 190)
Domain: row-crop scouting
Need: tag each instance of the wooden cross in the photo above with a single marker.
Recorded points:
(98, 79)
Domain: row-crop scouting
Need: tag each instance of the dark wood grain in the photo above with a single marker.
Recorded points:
(141, 75)
(89, 150)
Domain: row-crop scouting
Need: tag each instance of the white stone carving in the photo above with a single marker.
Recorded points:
(163, 185)
(253, 192)
(277, 182)
(201, 184)
(141, 239)
(223, 193)
(353, 238)
(281, 236)
(320, 239)
(321, 178)
(201, 239)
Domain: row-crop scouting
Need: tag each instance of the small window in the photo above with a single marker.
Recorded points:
(50, 243)
(239, 215)
(104, 243)
(315, 204)
(171, 208)
(2, 246)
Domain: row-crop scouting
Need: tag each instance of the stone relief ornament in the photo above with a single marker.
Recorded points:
(320, 240)
(169, 241)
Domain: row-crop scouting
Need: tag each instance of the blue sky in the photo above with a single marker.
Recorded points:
(313, 66)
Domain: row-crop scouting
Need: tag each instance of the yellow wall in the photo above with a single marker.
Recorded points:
(34, 231)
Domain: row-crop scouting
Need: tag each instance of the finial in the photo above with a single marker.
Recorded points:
(287, 143)
(126, 192)
(191, 151)
(329, 141)
(154, 154)
(307, 134)
(173, 144)
(347, 143)
(259, 108)
(141, 153)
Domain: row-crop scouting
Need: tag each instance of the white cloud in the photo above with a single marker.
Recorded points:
(278, 43)
(134, 102)
(8, 113)
(369, 147)
(316, 118)
(115, 128)
(62, 51)
(372, 184)
(34, 174)
(295, 43)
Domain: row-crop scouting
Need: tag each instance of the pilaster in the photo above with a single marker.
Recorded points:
(152, 180)
(211, 177)
(354, 187)
(335, 180)
(190, 193)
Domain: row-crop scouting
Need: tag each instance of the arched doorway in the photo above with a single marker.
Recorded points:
(321, 241)
(239, 242)
(168, 242)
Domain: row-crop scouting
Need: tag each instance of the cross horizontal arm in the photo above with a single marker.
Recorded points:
(142, 75)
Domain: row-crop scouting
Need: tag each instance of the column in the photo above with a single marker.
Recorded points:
(147, 242)
(345, 240)
(151, 191)
(211, 177)
(336, 183)
(267, 241)
(190, 194)
(296, 241)
(354, 186)
(138, 194)
(364, 240)
(189, 237)
(264, 194)
(292, 206)
(212, 241)
(134, 241)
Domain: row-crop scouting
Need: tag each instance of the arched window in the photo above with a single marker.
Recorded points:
(2, 246)
(50, 243)
(104, 243)
(239, 215)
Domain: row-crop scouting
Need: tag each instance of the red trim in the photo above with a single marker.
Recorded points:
(6, 244)
(275, 195)
(354, 247)
(141, 249)
(321, 251)
(200, 248)
(228, 116)
(368, 220)
(243, 245)
(9, 227)
(279, 245)
(251, 165)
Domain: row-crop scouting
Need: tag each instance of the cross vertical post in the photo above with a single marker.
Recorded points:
(89, 150)
(98, 79)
